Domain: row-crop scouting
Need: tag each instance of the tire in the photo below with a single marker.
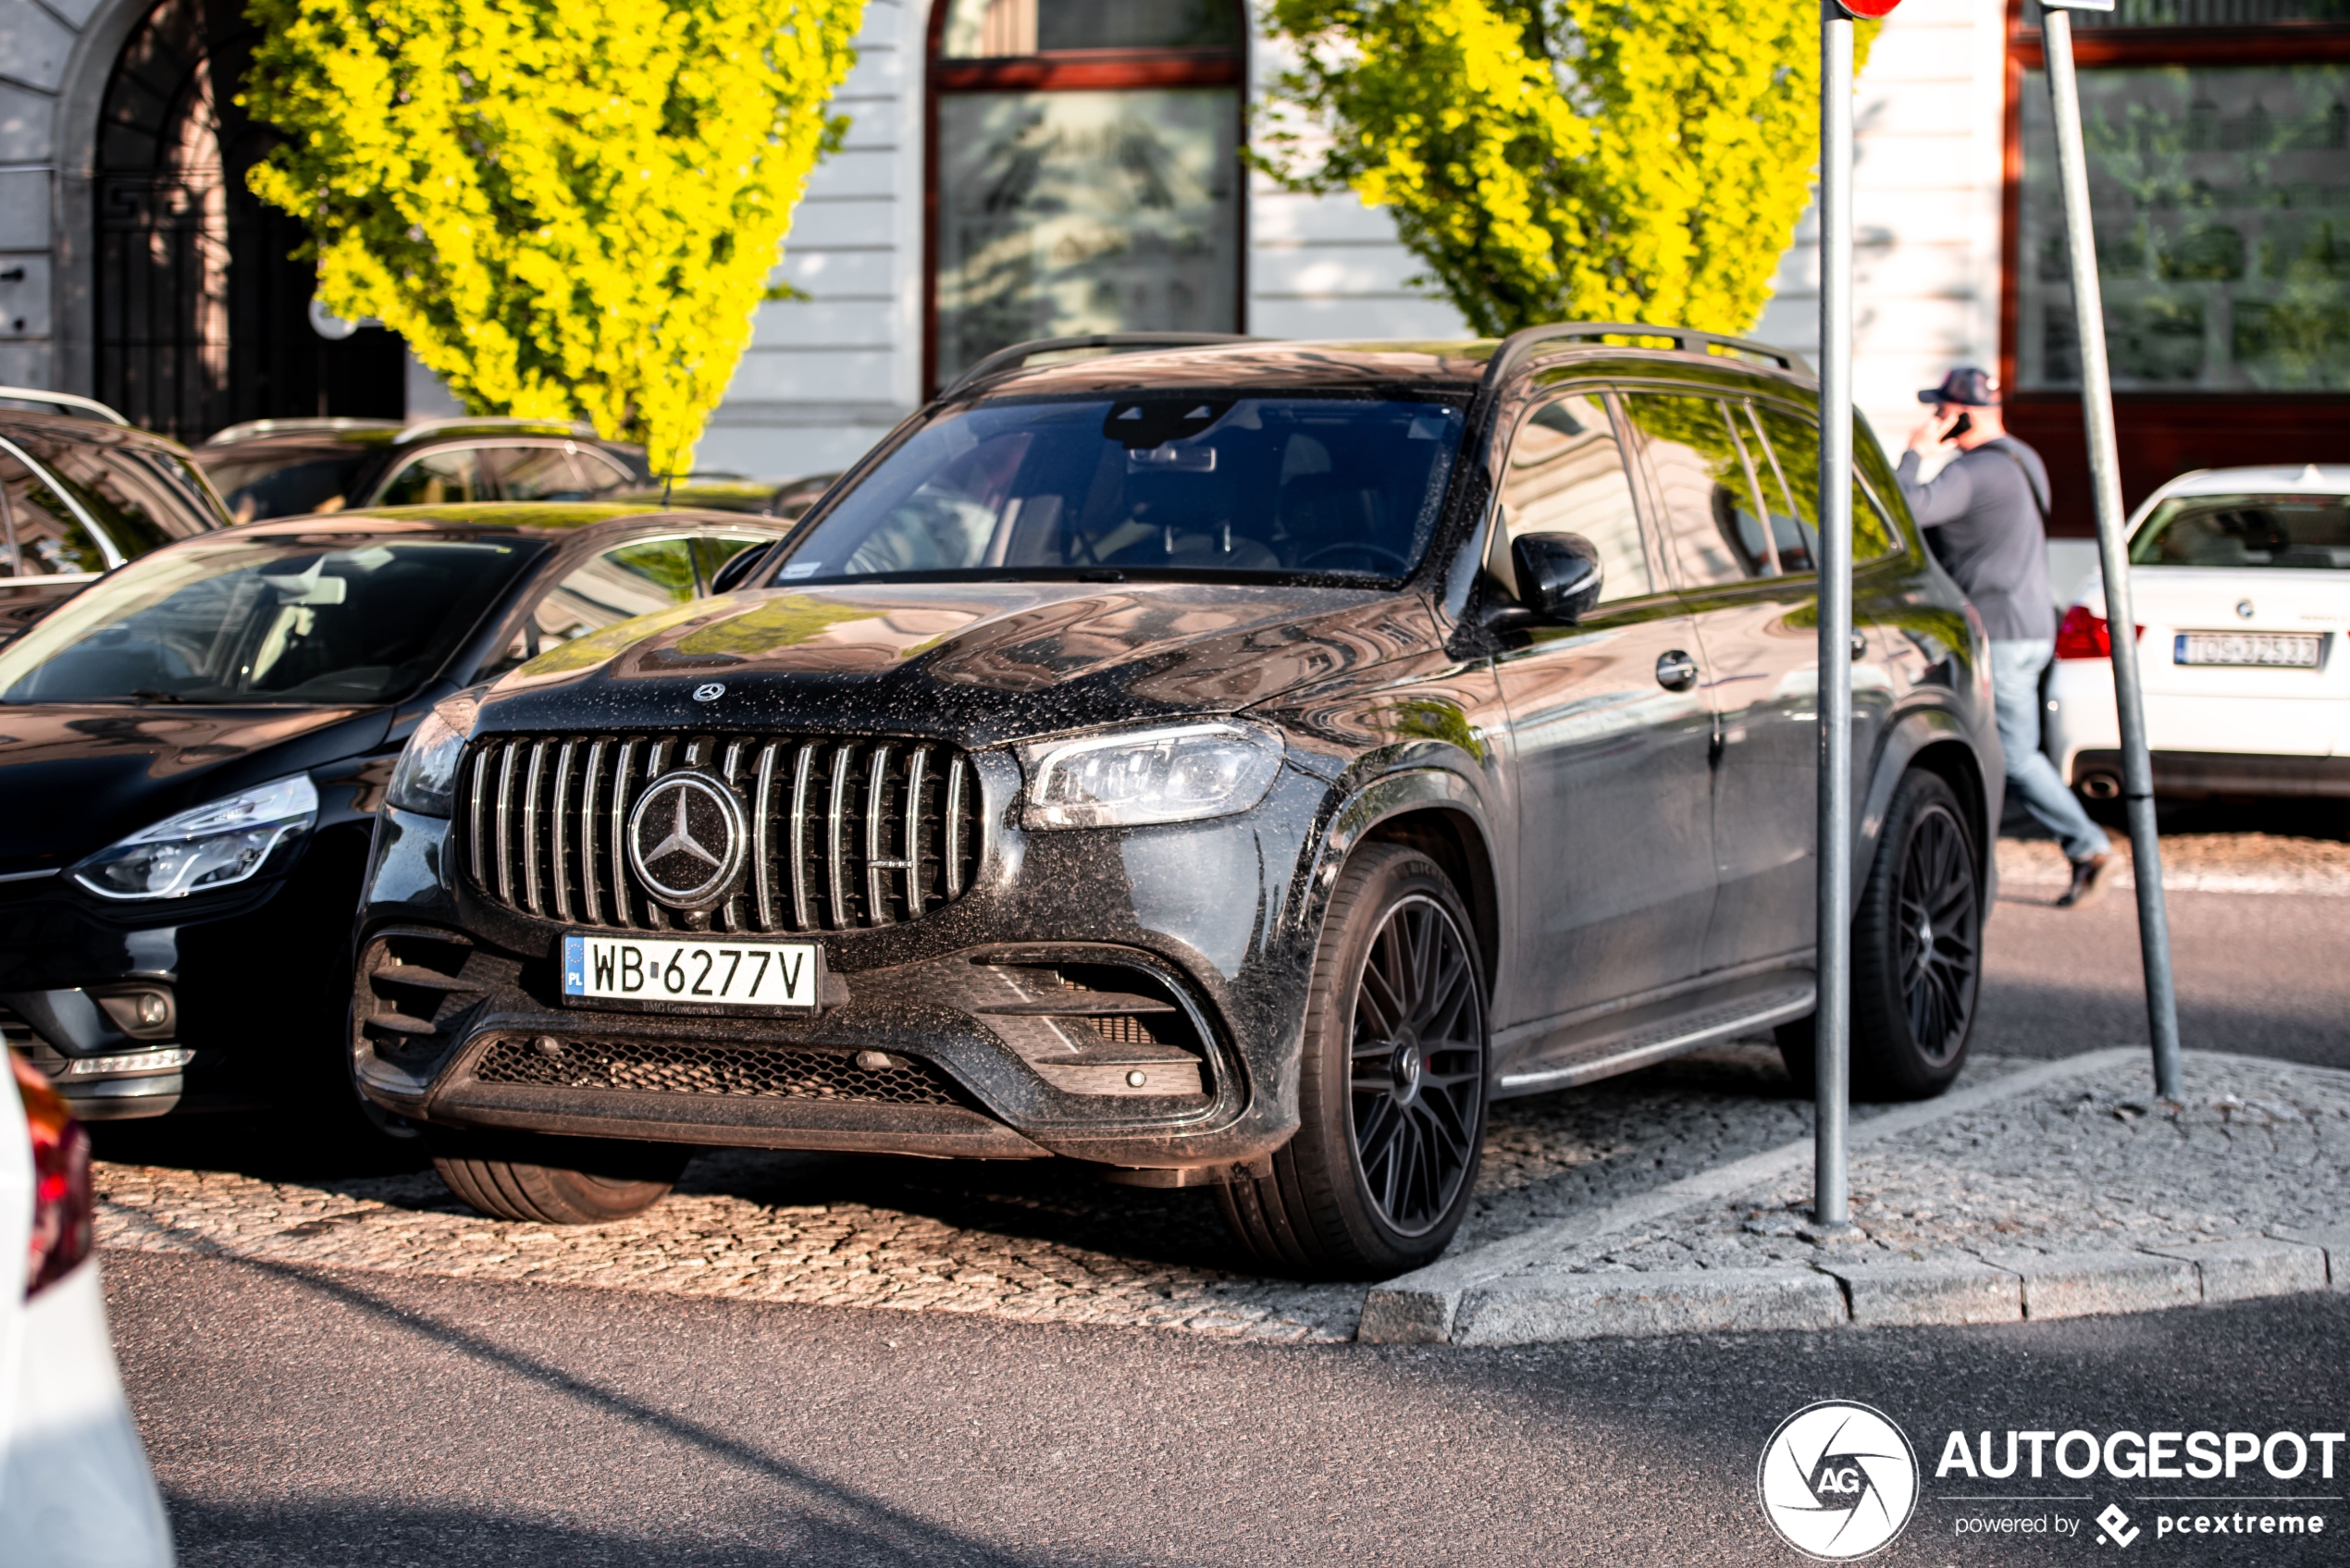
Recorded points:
(1917, 946)
(556, 1181)
(1391, 1127)
(1799, 1040)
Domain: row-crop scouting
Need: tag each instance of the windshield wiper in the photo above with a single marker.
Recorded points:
(148, 694)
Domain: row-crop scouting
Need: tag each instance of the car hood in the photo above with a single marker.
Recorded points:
(980, 664)
(76, 777)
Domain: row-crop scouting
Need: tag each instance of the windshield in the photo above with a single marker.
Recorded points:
(1196, 484)
(291, 621)
(2293, 531)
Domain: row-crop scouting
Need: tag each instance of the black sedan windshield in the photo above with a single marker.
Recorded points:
(277, 621)
(1190, 485)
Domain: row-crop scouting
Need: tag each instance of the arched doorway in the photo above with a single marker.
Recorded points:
(1085, 171)
(201, 318)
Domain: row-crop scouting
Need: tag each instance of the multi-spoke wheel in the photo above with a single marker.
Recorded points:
(1917, 946)
(1392, 1087)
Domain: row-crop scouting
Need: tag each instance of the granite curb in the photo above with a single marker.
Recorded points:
(1487, 1297)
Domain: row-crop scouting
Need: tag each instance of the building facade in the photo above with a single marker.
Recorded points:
(1024, 167)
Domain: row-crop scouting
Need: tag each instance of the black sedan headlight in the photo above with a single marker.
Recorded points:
(426, 778)
(216, 845)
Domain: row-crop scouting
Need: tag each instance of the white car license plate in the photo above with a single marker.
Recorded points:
(2287, 650)
(711, 971)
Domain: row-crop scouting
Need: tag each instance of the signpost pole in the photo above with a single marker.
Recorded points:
(2113, 559)
(1831, 1192)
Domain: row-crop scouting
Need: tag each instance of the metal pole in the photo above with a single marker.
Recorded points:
(1831, 1191)
(2113, 557)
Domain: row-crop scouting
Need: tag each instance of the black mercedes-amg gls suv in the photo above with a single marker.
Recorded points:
(1230, 763)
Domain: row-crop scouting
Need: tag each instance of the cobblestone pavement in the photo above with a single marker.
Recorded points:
(1030, 1241)
(2258, 1148)
(2205, 862)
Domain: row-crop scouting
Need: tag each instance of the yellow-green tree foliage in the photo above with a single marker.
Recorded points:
(568, 208)
(1563, 160)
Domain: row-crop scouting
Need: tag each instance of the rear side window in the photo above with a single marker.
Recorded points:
(1790, 471)
(1712, 515)
(143, 500)
(40, 535)
(634, 579)
(1566, 476)
(554, 473)
(287, 484)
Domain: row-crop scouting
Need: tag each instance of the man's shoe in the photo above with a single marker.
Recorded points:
(2088, 881)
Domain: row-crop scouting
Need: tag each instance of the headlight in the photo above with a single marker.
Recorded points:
(1177, 774)
(426, 779)
(211, 846)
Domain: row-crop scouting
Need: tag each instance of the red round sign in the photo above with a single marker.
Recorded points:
(1870, 10)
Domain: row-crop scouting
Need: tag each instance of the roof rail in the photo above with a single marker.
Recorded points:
(70, 401)
(1018, 355)
(1519, 345)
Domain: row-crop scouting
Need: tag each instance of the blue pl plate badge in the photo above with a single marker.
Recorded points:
(574, 966)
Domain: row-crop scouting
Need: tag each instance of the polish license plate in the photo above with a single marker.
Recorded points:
(703, 971)
(2283, 651)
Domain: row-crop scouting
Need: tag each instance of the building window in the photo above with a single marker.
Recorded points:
(2217, 134)
(1086, 171)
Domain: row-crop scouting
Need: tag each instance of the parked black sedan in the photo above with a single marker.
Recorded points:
(190, 750)
(81, 492)
(1229, 765)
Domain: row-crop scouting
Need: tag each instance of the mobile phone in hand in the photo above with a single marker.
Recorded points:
(1965, 423)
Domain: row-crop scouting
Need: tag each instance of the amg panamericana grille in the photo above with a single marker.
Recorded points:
(843, 833)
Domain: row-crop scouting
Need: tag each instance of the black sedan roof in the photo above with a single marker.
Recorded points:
(1455, 366)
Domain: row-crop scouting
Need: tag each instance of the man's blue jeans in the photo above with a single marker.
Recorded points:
(2015, 689)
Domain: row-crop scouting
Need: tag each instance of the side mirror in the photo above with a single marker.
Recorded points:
(1558, 576)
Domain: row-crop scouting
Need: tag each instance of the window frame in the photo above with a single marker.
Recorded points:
(1662, 580)
(1073, 71)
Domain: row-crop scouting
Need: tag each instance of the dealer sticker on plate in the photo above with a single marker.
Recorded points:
(705, 971)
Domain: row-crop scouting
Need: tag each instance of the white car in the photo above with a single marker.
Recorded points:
(2240, 579)
(75, 1489)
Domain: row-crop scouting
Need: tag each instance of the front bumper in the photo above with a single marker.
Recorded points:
(242, 975)
(1131, 997)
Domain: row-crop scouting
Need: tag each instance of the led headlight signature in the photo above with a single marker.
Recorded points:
(1176, 773)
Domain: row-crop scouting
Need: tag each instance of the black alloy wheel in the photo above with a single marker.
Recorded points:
(1391, 1089)
(1418, 1061)
(1917, 946)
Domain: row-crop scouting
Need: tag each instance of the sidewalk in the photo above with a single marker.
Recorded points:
(2058, 1191)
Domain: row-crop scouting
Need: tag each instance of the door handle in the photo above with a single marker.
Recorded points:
(1676, 670)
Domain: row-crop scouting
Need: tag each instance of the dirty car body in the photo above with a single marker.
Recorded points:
(1292, 569)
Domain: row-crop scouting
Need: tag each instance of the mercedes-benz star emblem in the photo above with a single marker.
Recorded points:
(710, 691)
(686, 840)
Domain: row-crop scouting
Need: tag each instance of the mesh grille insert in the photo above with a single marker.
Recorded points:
(665, 1067)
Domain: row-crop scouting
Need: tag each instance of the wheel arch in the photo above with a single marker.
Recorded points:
(1436, 813)
(1937, 741)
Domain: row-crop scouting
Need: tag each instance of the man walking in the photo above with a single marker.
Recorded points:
(1987, 514)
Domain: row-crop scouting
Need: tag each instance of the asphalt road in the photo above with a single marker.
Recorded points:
(2260, 973)
(327, 1419)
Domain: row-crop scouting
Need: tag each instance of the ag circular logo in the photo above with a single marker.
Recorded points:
(710, 691)
(686, 840)
(1838, 1480)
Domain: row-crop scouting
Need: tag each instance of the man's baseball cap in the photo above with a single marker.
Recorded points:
(1966, 387)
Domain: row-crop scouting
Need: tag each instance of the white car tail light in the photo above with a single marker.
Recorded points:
(62, 1205)
(2084, 635)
